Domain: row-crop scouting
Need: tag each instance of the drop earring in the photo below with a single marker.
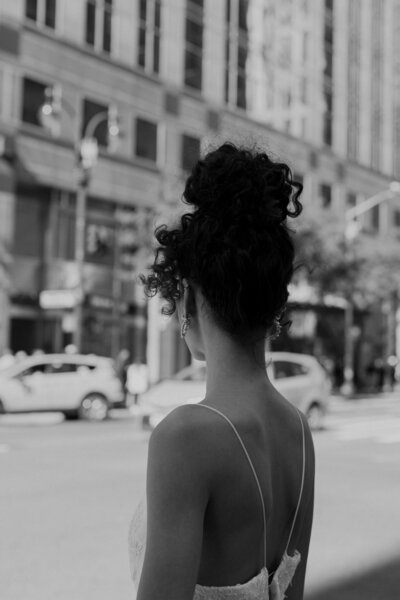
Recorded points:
(277, 328)
(185, 325)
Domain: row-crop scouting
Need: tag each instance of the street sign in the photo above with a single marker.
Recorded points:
(58, 299)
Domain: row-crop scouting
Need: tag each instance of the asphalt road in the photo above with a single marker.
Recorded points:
(68, 490)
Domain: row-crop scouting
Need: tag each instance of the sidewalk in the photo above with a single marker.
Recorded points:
(339, 401)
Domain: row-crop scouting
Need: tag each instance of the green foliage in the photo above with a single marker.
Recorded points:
(366, 268)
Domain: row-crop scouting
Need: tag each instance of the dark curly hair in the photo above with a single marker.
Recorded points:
(235, 243)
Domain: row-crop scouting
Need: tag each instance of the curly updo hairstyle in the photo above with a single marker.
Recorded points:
(234, 244)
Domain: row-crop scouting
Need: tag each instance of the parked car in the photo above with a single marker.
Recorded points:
(298, 377)
(77, 385)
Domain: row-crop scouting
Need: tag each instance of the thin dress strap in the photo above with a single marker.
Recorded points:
(302, 482)
(252, 468)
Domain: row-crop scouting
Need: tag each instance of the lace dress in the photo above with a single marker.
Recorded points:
(256, 588)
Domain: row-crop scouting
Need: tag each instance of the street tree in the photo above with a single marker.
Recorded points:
(364, 271)
(365, 268)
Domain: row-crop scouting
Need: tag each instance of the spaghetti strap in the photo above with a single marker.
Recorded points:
(252, 468)
(302, 482)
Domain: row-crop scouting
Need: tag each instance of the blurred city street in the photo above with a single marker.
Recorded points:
(105, 107)
(72, 487)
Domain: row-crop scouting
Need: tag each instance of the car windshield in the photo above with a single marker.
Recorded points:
(14, 370)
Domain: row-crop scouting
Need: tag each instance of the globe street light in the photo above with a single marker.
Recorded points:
(87, 152)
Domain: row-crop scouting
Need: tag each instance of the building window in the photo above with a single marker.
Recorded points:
(43, 12)
(236, 52)
(375, 219)
(194, 44)
(99, 24)
(396, 218)
(149, 35)
(325, 193)
(146, 139)
(190, 152)
(351, 200)
(33, 98)
(95, 122)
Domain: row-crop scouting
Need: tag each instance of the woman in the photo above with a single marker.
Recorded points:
(230, 481)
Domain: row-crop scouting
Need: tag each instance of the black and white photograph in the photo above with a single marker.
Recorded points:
(199, 299)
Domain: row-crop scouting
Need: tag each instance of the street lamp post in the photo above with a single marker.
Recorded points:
(352, 229)
(87, 155)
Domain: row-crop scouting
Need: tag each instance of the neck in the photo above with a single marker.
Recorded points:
(234, 369)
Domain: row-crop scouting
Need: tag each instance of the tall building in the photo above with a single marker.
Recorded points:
(317, 82)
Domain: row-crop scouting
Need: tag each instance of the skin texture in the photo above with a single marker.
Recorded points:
(204, 510)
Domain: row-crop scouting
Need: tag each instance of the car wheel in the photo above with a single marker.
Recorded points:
(71, 415)
(94, 407)
(315, 416)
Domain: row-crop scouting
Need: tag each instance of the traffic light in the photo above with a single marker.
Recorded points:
(98, 240)
(113, 127)
(50, 111)
(52, 101)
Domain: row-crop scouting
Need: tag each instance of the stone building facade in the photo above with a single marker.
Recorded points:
(317, 82)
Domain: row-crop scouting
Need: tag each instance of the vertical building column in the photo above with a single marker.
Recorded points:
(214, 49)
(340, 90)
(173, 31)
(388, 66)
(74, 25)
(365, 101)
(396, 92)
(315, 69)
(125, 27)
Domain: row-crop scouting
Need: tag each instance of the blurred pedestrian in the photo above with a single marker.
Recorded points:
(37, 352)
(230, 480)
(7, 359)
(70, 349)
(379, 367)
(121, 367)
(371, 376)
(20, 356)
(391, 363)
(137, 382)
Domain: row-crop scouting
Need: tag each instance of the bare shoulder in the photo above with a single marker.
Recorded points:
(186, 434)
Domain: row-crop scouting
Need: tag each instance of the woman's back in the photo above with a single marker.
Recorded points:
(272, 435)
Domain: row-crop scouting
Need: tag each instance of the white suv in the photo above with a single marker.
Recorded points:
(82, 385)
(298, 377)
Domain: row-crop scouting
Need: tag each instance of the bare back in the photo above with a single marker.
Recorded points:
(206, 489)
(233, 542)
